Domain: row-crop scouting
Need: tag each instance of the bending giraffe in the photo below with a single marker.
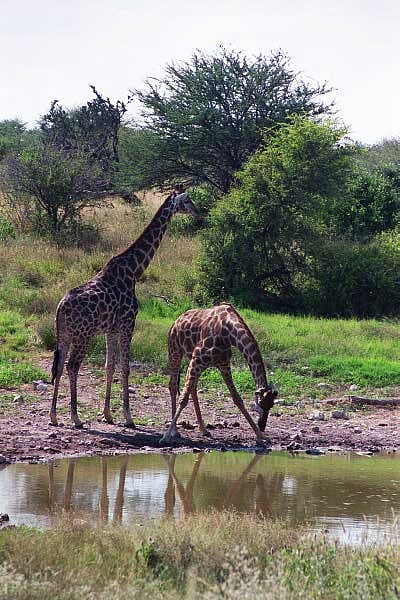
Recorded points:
(206, 337)
(107, 304)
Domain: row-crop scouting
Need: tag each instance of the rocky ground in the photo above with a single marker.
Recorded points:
(337, 424)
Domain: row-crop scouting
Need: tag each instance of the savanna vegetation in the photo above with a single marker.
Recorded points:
(299, 230)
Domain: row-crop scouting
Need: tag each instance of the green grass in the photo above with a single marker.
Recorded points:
(228, 556)
(16, 338)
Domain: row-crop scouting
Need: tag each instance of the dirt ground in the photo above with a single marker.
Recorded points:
(26, 435)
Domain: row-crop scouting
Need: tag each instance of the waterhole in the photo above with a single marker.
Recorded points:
(349, 497)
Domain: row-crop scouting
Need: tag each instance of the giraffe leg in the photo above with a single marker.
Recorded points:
(74, 362)
(175, 359)
(196, 367)
(227, 377)
(125, 342)
(61, 356)
(111, 341)
(200, 421)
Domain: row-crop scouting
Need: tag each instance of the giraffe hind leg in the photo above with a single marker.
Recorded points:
(74, 362)
(60, 355)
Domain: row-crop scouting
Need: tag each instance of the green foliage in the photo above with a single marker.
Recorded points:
(375, 205)
(356, 279)
(7, 230)
(206, 116)
(68, 166)
(53, 186)
(11, 136)
(261, 235)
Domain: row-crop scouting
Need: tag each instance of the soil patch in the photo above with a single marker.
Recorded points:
(26, 435)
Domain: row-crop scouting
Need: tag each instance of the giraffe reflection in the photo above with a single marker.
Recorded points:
(185, 495)
(66, 504)
(262, 502)
(249, 491)
(104, 503)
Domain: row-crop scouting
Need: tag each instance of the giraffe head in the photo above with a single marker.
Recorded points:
(264, 399)
(183, 204)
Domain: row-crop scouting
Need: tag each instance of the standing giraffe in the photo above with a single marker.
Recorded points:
(206, 336)
(107, 304)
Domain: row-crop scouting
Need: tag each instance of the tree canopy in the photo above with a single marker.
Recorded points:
(205, 117)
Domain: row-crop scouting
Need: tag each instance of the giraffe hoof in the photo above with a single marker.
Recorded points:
(108, 420)
(53, 423)
(78, 425)
(130, 425)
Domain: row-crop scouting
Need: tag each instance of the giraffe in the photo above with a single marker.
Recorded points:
(107, 304)
(206, 336)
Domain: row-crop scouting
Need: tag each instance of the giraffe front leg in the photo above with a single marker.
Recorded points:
(202, 427)
(125, 342)
(227, 377)
(111, 341)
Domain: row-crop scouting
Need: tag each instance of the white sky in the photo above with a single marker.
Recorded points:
(55, 48)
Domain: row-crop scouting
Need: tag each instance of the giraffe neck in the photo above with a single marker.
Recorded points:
(248, 346)
(137, 257)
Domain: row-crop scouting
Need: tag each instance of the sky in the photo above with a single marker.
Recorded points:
(54, 49)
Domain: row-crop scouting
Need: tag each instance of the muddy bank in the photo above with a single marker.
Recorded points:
(25, 433)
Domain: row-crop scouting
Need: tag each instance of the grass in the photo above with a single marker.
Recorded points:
(205, 556)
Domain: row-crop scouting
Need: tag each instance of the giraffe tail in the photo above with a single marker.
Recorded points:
(54, 368)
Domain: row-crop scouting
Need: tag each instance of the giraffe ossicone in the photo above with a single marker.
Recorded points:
(206, 337)
(107, 304)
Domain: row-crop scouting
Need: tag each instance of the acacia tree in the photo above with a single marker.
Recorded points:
(68, 165)
(206, 116)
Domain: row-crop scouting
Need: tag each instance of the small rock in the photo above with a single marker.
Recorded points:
(4, 460)
(293, 446)
(316, 415)
(131, 389)
(357, 430)
(36, 383)
(18, 398)
(151, 423)
(353, 387)
(339, 414)
(186, 425)
(315, 429)
(4, 517)
(314, 451)
(322, 384)
(236, 424)
(41, 387)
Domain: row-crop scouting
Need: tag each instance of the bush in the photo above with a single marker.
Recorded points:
(354, 279)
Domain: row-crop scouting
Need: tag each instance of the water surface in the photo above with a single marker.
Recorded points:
(348, 496)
